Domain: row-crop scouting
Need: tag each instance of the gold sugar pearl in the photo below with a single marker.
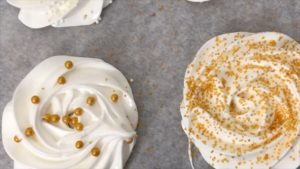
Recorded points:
(55, 118)
(90, 100)
(74, 120)
(17, 139)
(78, 111)
(46, 117)
(128, 141)
(95, 151)
(61, 80)
(114, 98)
(79, 144)
(79, 126)
(69, 64)
(66, 119)
(35, 99)
(29, 132)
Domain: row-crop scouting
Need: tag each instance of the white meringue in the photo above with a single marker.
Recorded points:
(108, 124)
(241, 105)
(59, 13)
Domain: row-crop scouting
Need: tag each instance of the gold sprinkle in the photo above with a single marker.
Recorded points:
(90, 100)
(78, 111)
(74, 120)
(55, 118)
(128, 141)
(79, 126)
(79, 144)
(266, 157)
(114, 98)
(95, 151)
(29, 132)
(35, 99)
(61, 80)
(273, 43)
(17, 139)
(46, 117)
(69, 64)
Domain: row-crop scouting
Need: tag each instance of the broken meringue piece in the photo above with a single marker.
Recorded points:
(59, 13)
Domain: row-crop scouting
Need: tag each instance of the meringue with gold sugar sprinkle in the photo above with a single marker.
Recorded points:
(59, 13)
(48, 125)
(241, 103)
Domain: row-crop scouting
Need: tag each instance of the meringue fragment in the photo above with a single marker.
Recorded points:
(59, 13)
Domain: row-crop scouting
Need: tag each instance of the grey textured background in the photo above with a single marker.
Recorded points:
(151, 41)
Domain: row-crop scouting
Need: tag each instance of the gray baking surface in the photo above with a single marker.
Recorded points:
(150, 41)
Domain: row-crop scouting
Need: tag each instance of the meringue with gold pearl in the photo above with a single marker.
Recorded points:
(73, 124)
(241, 105)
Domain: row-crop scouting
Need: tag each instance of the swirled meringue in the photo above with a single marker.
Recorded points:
(59, 13)
(241, 105)
(108, 120)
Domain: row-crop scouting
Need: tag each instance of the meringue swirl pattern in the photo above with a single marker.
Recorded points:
(59, 13)
(241, 101)
(71, 112)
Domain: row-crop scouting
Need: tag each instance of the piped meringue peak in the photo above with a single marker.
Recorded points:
(241, 105)
(59, 13)
(88, 121)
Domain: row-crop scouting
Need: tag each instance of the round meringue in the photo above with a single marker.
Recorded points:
(241, 105)
(107, 126)
(59, 13)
